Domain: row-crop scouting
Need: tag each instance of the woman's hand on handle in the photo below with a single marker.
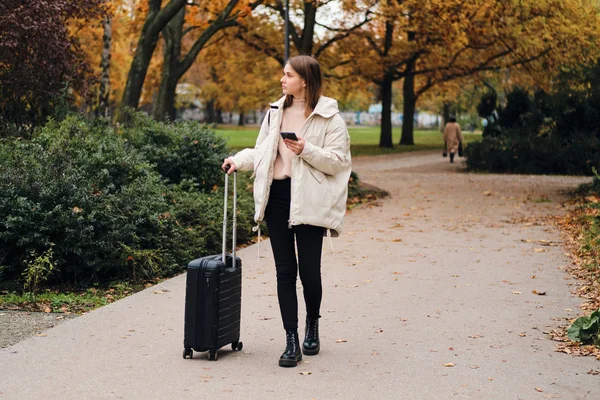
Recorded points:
(228, 166)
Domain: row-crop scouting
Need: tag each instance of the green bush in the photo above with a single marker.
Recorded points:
(181, 151)
(547, 133)
(106, 208)
(534, 155)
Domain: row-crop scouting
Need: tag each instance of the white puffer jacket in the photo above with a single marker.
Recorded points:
(320, 173)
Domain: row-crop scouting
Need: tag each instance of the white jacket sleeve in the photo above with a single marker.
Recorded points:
(334, 156)
(244, 160)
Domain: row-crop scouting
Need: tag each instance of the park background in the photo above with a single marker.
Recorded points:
(113, 116)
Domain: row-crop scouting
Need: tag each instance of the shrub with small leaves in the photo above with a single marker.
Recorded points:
(107, 209)
(180, 151)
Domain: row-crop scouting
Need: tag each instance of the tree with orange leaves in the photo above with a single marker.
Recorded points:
(438, 41)
(201, 21)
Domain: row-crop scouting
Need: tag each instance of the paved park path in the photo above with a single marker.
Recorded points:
(427, 295)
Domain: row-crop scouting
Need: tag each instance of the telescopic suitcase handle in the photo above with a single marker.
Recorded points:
(226, 192)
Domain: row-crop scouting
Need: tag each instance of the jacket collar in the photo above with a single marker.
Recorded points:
(326, 106)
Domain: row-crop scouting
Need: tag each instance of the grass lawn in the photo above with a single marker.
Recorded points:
(365, 140)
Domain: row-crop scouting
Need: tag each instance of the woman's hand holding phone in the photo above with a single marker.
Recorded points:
(293, 142)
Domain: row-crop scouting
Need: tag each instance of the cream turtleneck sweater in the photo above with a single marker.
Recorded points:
(292, 121)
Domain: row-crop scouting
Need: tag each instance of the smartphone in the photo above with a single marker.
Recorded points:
(289, 135)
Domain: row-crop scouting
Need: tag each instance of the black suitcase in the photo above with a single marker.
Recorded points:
(213, 297)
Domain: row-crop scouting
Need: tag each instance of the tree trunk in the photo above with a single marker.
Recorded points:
(156, 20)
(385, 138)
(103, 96)
(410, 105)
(210, 112)
(241, 120)
(445, 115)
(410, 100)
(164, 107)
(310, 19)
(219, 116)
(175, 66)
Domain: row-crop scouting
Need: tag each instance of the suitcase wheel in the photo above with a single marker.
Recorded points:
(188, 352)
(212, 355)
(237, 346)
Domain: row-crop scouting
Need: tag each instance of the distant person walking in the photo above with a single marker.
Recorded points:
(453, 137)
(301, 165)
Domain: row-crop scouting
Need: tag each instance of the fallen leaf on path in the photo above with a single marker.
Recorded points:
(593, 372)
(522, 334)
(162, 291)
(490, 379)
(306, 373)
(538, 293)
(205, 376)
(352, 286)
(41, 335)
(374, 353)
(449, 365)
(538, 389)
(533, 277)
(379, 330)
(516, 292)
(341, 341)
(47, 310)
(474, 366)
(540, 250)
(396, 240)
(487, 193)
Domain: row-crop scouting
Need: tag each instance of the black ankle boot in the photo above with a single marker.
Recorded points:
(292, 353)
(311, 345)
(451, 157)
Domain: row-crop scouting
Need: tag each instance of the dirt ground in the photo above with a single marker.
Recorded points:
(16, 326)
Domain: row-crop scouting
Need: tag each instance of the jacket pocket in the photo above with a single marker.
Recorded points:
(318, 175)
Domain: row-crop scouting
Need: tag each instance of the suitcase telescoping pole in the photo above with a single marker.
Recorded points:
(224, 249)
(234, 235)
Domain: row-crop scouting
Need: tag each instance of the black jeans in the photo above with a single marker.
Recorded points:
(309, 240)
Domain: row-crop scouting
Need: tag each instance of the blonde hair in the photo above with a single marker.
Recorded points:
(309, 69)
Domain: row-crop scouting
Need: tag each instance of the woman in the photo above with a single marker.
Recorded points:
(300, 190)
(452, 137)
